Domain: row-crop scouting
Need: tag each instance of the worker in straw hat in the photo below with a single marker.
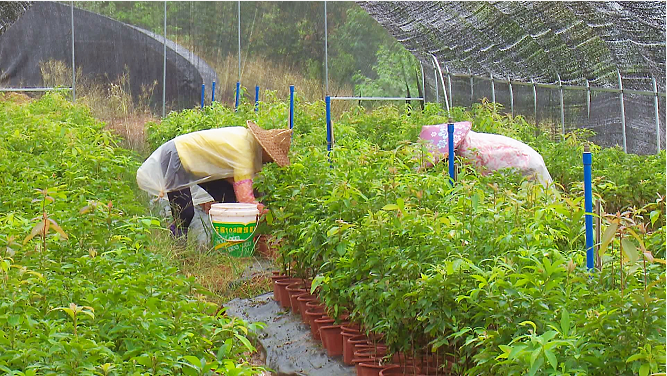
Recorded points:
(220, 161)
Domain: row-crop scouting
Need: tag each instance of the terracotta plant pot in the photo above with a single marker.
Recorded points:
(318, 323)
(302, 300)
(398, 370)
(439, 369)
(276, 277)
(313, 314)
(371, 368)
(293, 290)
(332, 339)
(315, 304)
(263, 247)
(283, 295)
(351, 328)
(368, 354)
(349, 341)
(296, 308)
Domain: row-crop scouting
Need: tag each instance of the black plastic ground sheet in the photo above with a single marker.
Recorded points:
(286, 341)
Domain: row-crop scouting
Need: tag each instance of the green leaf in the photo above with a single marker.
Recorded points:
(224, 350)
(516, 351)
(524, 323)
(534, 355)
(630, 250)
(38, 229)
(655, 215)
(14, 320)
(245, 342)
(506, 350)
(193, 360)
(88, 313)
(401, 203)
(390, 207)
(536, 365)
(565, 322)
(644, 370)
(332, 231)
(635, 357)
(144, 360)
(341, 249)
(548, 336)
(607, 237)
(190, 371)
(317, 281)
(551, 358)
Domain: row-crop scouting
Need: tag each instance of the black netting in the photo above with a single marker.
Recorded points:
(538, 40)
(525, 41)
(105, 50)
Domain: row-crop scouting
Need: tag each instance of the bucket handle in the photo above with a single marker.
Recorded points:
(210, 222)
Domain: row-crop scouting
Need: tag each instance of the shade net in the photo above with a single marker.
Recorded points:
(116, 55)
(544, 42)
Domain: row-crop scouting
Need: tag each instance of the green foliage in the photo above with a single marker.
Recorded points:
(489, 272)
(81, 294)
(396, 70)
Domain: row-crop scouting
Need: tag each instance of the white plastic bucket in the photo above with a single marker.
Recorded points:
(234, 225)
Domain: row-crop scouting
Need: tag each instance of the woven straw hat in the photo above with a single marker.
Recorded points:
(276, 142)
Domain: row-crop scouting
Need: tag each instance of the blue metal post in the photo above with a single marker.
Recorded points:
(213, 92)
(588, 207)
(256, 98)
(327, 100)
(450, 141)
(238, 94)
(203, 88)
(291, 106)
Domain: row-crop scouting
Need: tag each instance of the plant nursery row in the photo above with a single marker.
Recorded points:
(487, 276)
(81, 293)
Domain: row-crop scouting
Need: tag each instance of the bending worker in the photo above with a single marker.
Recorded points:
(220, 161)
(488, 152)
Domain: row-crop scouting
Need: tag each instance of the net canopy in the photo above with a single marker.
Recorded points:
(576, 44)
(535, 39)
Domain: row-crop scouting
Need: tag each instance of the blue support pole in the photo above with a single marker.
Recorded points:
(327, 100)
(213, 92)
(588, 207)
(203, 88)
(256, 98)
(291, 106)
(450, 141)
(238, 94)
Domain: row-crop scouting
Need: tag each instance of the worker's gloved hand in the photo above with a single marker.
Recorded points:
(262, 209)
(244, 193)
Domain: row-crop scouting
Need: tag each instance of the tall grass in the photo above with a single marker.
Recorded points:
(109, 101)
(112, 102)
(269, 76)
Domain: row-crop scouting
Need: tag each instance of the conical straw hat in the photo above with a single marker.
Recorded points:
(276, 142)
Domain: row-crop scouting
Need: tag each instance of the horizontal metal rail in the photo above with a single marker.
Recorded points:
(377, 98)
(33, 89)
(564, 87)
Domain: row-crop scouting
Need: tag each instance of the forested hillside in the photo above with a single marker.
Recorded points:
(288, 34)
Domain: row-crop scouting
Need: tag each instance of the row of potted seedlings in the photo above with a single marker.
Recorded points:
(360, 348)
